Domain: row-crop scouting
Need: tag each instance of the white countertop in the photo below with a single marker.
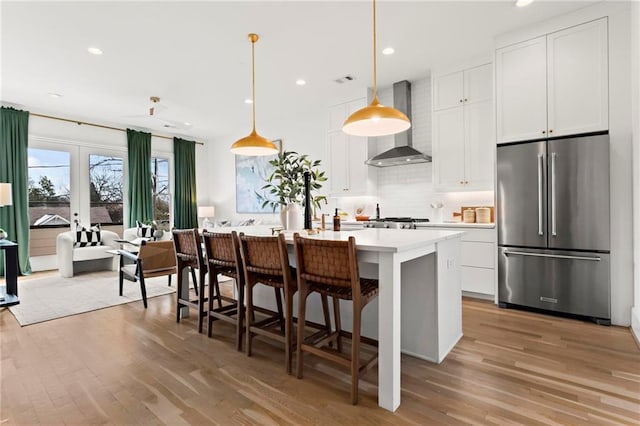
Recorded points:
(387, 240)
(455, 225)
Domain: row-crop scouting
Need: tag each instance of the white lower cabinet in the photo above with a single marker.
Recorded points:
(477, 260)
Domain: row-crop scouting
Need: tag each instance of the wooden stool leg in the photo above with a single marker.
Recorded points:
(302, 307)
(210, 305)
(355, 354)
(327, 316)
(241, 314)
(143, 290)
(218, 296)
(288, 329)
(195, 281)
(249, 319)
(178, 294)
(338, 322)
(279, 304)
(201, 301)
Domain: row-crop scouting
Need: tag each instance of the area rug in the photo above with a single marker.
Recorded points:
(44, 299)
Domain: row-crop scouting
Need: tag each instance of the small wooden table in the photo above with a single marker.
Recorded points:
(9, 292)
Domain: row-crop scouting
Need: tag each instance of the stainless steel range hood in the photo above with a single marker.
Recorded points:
(403, 153)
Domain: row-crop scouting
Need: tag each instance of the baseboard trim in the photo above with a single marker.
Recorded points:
(635, 324)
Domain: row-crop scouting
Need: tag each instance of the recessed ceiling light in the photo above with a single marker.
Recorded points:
(54, 95)
(523, 3)
(94, 51)
(186, 123)
(300, 82)
(388, 51)
(248, 101)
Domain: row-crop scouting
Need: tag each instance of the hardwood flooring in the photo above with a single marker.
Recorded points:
(128, 365)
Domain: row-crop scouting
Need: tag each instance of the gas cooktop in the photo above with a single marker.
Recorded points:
(395, 222)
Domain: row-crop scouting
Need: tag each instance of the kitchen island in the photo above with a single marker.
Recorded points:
(420, 300)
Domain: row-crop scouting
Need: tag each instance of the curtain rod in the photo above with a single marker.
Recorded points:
(79, 122)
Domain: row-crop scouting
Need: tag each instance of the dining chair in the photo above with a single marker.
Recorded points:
(154, 259)
(330, 268)
(223, 257)
(189, 255)
(265, 261)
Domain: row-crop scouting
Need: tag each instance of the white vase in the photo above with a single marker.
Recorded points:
(283, 217)
(294, 217)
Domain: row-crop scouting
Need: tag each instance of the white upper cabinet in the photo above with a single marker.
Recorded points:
(348, 173)
(521, 91)
(553, 85)
(463, 137)
(448, 91)
(578, 79)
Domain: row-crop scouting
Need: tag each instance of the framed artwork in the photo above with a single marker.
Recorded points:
(251, 174)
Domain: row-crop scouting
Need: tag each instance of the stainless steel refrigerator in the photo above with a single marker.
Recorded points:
(553, 226)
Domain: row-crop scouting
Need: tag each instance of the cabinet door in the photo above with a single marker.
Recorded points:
(357, 169)
(338, 165)
(578, 79)
(448, 91)
(448, 149)
(521, 91)
(478, 86)
(479, 146)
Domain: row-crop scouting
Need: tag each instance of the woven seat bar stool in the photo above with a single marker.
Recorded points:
(189, 255)
(331, 269)
(223, 257)
(265, 261)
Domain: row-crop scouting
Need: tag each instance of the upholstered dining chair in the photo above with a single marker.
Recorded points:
(223, 257)
(265, 261)
(331, 269)
(189, 255)
(154, 259)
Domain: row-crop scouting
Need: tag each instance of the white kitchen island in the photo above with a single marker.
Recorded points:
(420, 299)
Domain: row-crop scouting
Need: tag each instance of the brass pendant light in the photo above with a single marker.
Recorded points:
(254, 144)
(376, 119)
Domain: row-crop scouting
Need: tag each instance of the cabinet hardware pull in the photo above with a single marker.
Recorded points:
(540, 172)
(466, 100)
(460, 100)
(553, 194)
(553, 256)
(466, 182)
(461, 182)
(551, 131)
(543, 132)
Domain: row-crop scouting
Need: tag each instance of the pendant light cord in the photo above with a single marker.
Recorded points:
(253, 81)
(375, 61)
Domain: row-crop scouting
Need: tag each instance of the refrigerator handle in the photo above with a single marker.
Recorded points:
(553, 194)
(553, 256)
(540, 212)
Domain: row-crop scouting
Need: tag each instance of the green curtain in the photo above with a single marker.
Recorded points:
(186, 203)
(14, 144)
(140, 186)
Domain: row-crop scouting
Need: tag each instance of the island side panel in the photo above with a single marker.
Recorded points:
(449, 295)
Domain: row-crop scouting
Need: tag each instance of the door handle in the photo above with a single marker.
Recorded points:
(553, 256)
(540, 212)
(553, 194)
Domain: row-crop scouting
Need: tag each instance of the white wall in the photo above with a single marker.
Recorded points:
(620, 138)
(635, 114)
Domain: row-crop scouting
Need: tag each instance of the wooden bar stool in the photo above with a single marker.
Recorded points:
(265, 261)
(331, 269)
(223, 257)
(189, 255)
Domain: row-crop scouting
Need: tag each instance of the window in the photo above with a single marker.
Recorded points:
(49, 188)
(161, 195)
(106, 182)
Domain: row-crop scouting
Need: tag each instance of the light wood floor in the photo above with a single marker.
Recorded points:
(128, 365)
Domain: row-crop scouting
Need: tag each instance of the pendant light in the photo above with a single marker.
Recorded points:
(254, 144)
(376, 119)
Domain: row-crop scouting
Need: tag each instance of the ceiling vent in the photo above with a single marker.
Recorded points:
(344, 79)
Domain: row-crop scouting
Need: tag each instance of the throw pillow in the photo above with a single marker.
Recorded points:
(144, 231)
(87, 237)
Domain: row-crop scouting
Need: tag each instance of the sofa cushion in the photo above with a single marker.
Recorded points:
(144, 231)
(91, 252)
(87, 237)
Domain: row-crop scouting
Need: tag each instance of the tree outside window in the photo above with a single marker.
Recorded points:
(161, 194)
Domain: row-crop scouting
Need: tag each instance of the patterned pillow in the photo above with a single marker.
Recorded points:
(144, 231)
(87, 237)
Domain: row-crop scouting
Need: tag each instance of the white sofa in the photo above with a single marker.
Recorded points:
(79, 259)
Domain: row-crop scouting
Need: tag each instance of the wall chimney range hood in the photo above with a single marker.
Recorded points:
(403, 153)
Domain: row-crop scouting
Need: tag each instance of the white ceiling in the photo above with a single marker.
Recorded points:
(196, 57)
